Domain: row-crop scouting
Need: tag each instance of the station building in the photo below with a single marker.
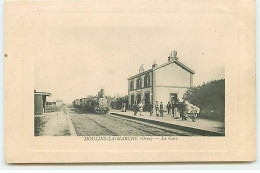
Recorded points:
(162, 83)
(40, 102)
(59, 102)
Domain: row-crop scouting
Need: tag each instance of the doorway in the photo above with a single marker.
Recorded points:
(173, 97)
(146, 101)
(132, 100)
(138, 98)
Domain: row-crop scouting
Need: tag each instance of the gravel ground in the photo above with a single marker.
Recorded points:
(52, 124)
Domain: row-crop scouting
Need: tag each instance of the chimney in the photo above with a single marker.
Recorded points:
(173, 56)
(102, 92)
(154, 64)
(141, 69)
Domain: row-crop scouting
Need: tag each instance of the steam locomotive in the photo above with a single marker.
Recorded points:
(97, 104)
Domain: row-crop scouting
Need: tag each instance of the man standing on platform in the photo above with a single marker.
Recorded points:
(135, 108)
(169, 107)
(173, 108)
(151, 108)
(161, 109)
(157, 108)
(141, 106)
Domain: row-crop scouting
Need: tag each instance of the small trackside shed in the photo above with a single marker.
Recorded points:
(40, 102)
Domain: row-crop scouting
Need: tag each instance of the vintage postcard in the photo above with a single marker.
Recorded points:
(130, 81)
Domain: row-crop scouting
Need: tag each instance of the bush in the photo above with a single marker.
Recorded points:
(39, 123)
(119, 102)
(52, 109)
(209, 97)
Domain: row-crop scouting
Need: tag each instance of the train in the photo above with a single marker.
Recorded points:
(97, 104)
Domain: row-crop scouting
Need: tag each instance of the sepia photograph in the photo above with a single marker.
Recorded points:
(129, 81)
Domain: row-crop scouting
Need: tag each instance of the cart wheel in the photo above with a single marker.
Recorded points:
(195, 117)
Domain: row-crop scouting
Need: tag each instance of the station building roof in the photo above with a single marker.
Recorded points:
(42, 93)
(163, 65)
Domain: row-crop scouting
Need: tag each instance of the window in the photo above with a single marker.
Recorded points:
(138, 83)
(131, 85)
(147, 81)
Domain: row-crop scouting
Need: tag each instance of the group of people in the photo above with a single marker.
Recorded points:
(172, 108)
(138, 107)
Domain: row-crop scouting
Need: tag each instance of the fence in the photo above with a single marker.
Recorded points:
(52, 108)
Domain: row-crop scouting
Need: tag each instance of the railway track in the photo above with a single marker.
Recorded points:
(121, 122)
(111, 125)
(148, 125)
(102, 126)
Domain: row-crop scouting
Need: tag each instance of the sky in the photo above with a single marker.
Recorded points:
(78, 54)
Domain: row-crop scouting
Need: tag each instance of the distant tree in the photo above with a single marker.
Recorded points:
(119, 102)
(209, 96)
(122, 100)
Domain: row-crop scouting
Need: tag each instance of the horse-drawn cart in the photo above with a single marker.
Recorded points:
(190, 111)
